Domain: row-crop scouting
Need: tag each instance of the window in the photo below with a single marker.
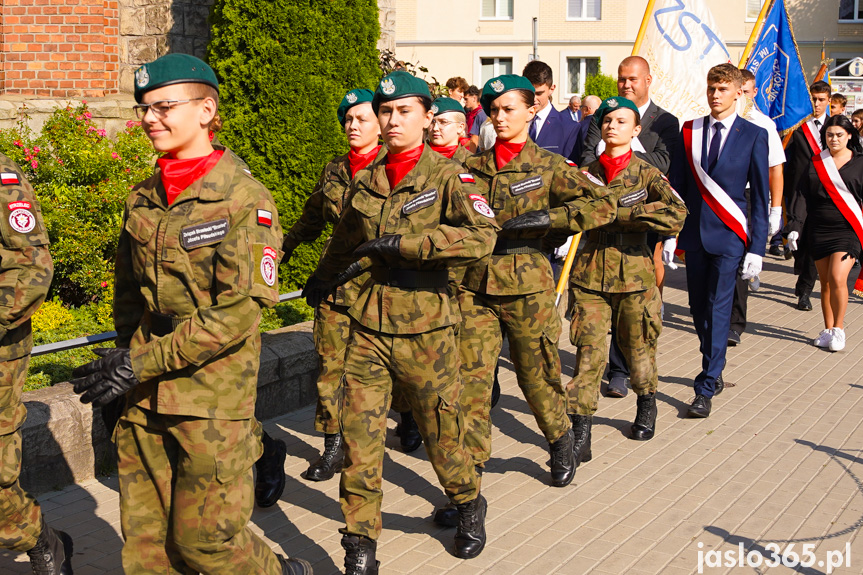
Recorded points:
(583, 9)
(496, 10)
(492, 67)
(753, 9)
(578, 69)
(851, 9)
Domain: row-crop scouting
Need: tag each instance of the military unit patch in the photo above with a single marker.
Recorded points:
(204, 234)
(482, 207)
(21, 219)
(592, 178)
(633, 198)
(526, 185)
(423, 200)
(265, 218)
(268, 266)
(466, 179)
(9, 178)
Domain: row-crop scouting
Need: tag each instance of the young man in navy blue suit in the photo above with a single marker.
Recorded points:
(550, 130)
(720, 154)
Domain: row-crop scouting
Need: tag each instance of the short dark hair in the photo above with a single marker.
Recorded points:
(820, 87)
(725, 74)
(538, 73)
(843, 122)
(473, 91)
(840, 99)
(747, 75)
(457, 82)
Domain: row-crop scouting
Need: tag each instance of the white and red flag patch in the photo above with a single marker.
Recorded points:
(466, 179)
(265, 218)
(9, 178)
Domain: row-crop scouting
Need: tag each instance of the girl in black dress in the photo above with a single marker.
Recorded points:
(833, 190)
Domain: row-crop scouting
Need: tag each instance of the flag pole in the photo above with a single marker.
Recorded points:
(643, 28)
(818, 76)
(756, 31)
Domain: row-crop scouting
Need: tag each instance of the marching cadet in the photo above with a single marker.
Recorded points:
(25, 276)
(414, 214)
(447, 130)
(332, 322)
(197, 258)
(613, 281)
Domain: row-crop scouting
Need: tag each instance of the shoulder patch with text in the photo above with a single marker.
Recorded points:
(421, 201)
(204, 234)
(21, 218)
(268, 266)
(633, 198)
(526, 185)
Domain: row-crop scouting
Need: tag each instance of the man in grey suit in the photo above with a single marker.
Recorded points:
(659, 137)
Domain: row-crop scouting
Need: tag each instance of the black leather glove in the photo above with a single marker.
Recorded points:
(316, 290)
(287, 255)
(350, 273)
(537, 220)
(384, 246)
(100, 382)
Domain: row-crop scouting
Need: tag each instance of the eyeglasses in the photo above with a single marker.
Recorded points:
(442, 123)
(161, 108)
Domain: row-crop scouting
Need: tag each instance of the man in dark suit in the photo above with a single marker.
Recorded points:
(587, 108)
(573, 112)
(549, 129)
(804, 143)
(659, 137)
(718, 155)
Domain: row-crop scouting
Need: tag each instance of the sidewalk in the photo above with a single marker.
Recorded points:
(778, 462)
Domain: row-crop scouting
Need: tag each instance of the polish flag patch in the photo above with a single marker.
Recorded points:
(265, 218)
(571, 163)
(466, 179)
(9, 178)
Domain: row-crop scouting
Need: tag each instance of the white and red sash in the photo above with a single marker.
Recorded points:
(712, 193)
(813, 136)
(828, 173)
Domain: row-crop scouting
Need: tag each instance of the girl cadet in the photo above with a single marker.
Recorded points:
(448, 128)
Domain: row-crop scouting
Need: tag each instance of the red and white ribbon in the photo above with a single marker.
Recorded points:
(813, 136)
(711, 192)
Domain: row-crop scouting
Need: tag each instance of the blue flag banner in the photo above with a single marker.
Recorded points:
(783, 92)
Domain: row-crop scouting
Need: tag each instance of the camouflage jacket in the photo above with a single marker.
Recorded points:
(616, 257)
(461, 155)
(26, 268)
(440, 216)
(534, 180)
(206, 264)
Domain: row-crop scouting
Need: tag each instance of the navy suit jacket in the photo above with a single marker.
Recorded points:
(566, 114)
(557, 134)
(743, 159)
(580, 135)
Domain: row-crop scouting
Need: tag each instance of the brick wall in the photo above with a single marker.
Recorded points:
(59, 48)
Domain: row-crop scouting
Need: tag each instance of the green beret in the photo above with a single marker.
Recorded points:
(397, 85)
(443, 105)
(350, 100)
(173, 69)
(501, 85)
(611, 105)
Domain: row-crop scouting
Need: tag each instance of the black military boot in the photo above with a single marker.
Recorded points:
(645, 417)
(295, 566)
(52, 554)
(360, 555)
(330, 460)
(581, 428)
(447, 516)
(270, 480)
(470, 537)
(495, 387)
(409, 433)
(562, 460)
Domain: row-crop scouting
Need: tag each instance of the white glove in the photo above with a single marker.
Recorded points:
(751, 266)
(668, 247)
(792, 241)
(775, 219)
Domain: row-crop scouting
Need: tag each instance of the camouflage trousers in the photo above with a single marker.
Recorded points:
(20, 516)
(186, 495)
(532, 324)
(332, 334)
(636, 320)
(425, 365)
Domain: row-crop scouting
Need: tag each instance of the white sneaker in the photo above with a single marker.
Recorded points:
(837, 342)
(823, 339)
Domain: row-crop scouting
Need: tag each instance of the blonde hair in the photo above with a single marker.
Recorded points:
(198, 90)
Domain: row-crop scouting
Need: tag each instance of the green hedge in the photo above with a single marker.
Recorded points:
(600, 84)
(284, 66)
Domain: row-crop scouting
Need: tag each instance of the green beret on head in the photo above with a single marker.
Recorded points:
(443, 105)
(350, 100)
(612, 105)
(501, 85)
(173, 69)
(398, 85)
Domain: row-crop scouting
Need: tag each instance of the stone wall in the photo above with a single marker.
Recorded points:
(387, 19)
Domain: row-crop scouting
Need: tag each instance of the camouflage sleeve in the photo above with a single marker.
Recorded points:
(588, 205)
(129, 304)
(312, 220)
(466, 234)
(347, 236)
(665, 214)
(26, 268)
(245, 278)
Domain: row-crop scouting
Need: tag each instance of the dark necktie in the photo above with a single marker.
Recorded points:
(531, 132)
(818, 124)
(713, 152)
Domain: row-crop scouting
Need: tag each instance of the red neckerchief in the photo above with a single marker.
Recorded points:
(398, 165)
(504, 152)
(464, 142)
(614, 166)
(360, 161)
(445, 151)
(177, 175)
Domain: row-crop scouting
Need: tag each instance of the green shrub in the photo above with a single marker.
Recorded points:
(600, 84)
(284, 67)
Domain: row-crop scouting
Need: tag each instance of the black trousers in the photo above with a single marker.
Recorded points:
(738, 305)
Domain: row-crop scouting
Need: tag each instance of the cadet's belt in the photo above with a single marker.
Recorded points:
(410, 279)
(162, 324)
(506, 246)
(616, 238)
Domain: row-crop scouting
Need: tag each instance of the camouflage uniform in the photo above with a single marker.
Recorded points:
(190, 280)
(613, 281)
(513, 291)
(403, 333)
(25, 276)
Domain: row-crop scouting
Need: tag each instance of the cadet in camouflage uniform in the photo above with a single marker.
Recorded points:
(332, 322)
(25, 276)
(418, 214)
(447, 128)
(613, 281)
(197, 257)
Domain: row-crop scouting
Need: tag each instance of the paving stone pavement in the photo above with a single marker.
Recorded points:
(779, 462)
